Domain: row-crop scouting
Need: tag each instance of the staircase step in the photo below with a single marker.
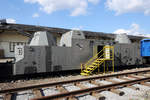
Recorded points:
(90, 69)
(100, 59)
(91, 66)
(86, 71)
(84, 74)
(97, 61)
(94, 64)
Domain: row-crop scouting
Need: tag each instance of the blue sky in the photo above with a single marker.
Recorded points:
(131, 16)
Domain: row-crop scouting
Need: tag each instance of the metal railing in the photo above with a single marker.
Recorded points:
(109, 55)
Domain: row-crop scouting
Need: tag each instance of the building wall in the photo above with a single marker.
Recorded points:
(58, 40)
(8, 40)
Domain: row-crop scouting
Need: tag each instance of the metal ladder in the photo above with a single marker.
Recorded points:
(96, 61)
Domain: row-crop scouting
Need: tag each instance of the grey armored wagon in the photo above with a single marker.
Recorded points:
(43, 55)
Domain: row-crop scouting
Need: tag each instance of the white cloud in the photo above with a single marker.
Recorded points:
(11, 20)
(35, 15)
(76, 7)
(121, 31)
(133, 30)
(125, 6)
(94, 1)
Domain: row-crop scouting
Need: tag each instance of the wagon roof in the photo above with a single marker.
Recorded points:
(57, 31)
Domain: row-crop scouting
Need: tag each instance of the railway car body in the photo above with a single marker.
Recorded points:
(43, 55)
(145, 48)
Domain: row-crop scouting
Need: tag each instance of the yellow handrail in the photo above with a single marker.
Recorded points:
(103, 57)
(111, 47)
(94, 57)
(98, 57)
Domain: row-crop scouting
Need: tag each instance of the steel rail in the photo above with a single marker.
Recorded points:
(93, 89)
(14, 90)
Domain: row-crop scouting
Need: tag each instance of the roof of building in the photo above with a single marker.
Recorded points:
(29, 29)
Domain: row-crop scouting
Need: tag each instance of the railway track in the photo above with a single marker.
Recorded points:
(74, 89)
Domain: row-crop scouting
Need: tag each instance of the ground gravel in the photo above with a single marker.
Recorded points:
(22, 83)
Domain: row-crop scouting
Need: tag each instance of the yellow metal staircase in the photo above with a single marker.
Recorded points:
(107, 53)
